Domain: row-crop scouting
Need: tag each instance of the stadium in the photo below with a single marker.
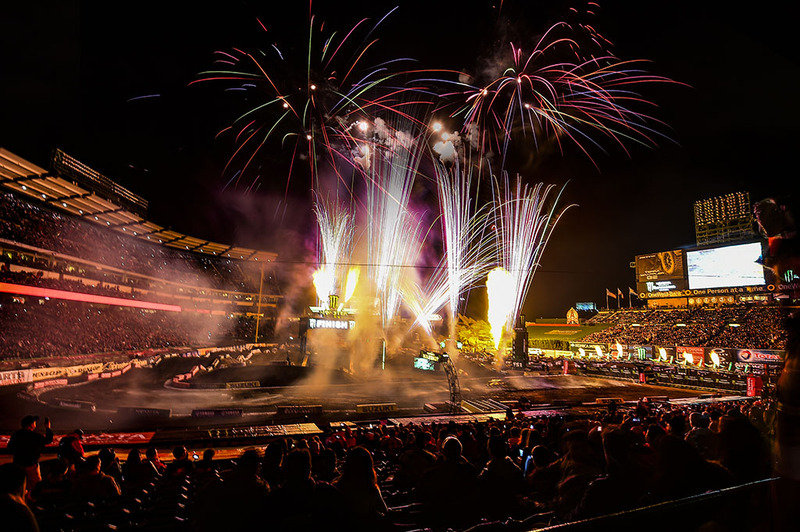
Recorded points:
(144, 337)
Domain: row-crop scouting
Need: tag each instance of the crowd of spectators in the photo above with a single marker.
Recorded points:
(38, 226)
(46, 328)
(743, 327)
(536, 471)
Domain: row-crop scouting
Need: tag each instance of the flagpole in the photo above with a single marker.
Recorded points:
(607, 307)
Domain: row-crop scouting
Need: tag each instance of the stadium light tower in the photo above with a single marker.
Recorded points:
(723, 219)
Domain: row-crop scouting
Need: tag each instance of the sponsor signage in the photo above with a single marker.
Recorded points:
(754, 386)
(135, 411)
(77, 405)
(40, 374)
(377, 408)
(49, 384)
(75, 371)
(242, 384)
(299, 410)
(759, 356)
(217, 412)
(690, 354)
(320, 323)
(719, 357)
(17, 376)
(640, 352)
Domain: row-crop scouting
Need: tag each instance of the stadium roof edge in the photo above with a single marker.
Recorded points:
(61, 193)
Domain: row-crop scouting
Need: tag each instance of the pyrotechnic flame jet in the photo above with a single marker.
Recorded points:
(351, 283)
(336, 237)
(501, 289)
(524, 219)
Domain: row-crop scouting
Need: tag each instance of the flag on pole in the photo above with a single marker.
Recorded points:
(609, 293)
(619, 293)
(632, 292)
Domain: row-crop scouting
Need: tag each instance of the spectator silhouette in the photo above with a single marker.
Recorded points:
(271, 470)
(623, 486)
(501, 481)
(181, 465)
(303, 503)
(358, 484)
(15, 513)
(152, 456)
(137, 473)
(448, 489)
(27, 445)
(54, 489)
(91, 484)
(701, 437)
(414, 462)
(70, 447)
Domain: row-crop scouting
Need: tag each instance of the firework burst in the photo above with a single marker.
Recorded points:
(562, 92)
(314, 102)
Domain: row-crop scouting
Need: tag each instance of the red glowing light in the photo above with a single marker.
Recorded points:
(33, 291)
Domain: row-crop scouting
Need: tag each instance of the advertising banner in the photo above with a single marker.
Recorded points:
(217, 412)
(135, 411)
(242, 384)
(50, 383)
(40, 374)
(720, 357)
(74, 371)
(754, 386)
(299, 410)
(377, 408)
(663, 353)
(639, 352)
(17, 376)
(692, 355)
(759, 356)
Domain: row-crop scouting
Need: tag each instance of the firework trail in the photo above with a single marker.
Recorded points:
(393, 231)
(524, 218)
(559, 91)
(468, 253)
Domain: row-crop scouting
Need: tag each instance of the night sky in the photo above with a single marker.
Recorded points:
(74, 73)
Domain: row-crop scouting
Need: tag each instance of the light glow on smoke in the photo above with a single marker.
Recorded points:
(351, 283)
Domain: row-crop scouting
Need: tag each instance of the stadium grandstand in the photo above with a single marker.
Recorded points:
(746, 327)
(74, 244)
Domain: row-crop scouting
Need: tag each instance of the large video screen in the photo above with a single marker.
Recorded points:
(725, 267)
(665, 265)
